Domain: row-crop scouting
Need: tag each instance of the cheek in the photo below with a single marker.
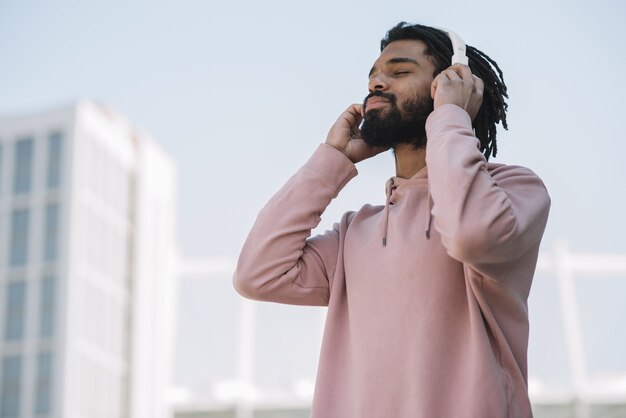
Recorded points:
(423, 88)
(415, 96)
(414, 89)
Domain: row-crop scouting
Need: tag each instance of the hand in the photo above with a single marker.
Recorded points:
(345, 135)
(457, 85)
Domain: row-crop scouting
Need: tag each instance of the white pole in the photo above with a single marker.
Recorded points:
(244, 407)
(572, 326)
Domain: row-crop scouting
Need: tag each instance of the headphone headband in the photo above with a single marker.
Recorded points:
(459, 55)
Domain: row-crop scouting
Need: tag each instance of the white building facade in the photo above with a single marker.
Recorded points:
(87, 267)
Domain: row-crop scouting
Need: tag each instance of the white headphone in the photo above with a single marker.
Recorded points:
(459, 55)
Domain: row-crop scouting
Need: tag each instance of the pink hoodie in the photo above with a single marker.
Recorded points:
(434, 321)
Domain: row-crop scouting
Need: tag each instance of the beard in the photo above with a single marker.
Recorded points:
(389, 126)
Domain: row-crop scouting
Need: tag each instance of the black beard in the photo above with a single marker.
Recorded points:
(391, 127)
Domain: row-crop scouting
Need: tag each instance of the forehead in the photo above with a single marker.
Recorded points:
(408, 48)
(413, 48)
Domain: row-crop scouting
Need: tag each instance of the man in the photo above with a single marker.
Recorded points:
(427, 294)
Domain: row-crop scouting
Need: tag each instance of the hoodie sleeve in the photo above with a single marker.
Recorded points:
(483, 217)
(278, 261)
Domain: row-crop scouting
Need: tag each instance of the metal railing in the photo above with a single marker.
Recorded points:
(560, 263)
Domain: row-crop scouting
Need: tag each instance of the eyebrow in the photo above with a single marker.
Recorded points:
(398, 60)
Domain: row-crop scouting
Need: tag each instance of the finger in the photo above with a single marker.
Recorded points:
(451, 73)
(352, 111)
(463, 71)
(353, 114)
(442, 75)
(460, 70)
(358, 112)
(479, 85)
(358, 108)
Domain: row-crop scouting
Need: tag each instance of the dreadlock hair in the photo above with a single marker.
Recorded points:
(438, 46)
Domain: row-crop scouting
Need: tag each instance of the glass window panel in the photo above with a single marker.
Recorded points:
(1, 169)
(44, 383)
(10, 392)
(23, 166)
(46, 307)
(19, 237)
(15, 304)
(53, 178)
(51, 232)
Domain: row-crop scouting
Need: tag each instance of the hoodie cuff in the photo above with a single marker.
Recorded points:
(332, 165)
(445, 116)
(449, 126)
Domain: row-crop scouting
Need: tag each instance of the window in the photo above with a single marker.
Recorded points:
(46, 307)
(10, 392)
(51, 232)
(0, 169)
(15, 304)
(23, 166)
(19, 237)
(53, 178)
(43, 385)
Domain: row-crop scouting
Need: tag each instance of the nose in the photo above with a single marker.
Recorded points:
(377, 82)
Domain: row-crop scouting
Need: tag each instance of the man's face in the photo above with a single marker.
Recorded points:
(399, 101)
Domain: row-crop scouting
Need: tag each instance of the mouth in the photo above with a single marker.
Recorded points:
(375, 103)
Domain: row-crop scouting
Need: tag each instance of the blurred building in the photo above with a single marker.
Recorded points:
(87, 267)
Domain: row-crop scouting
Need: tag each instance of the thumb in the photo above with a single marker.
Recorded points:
(433, 88)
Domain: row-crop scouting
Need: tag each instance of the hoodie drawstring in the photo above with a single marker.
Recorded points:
(389, 189)
(429, 215)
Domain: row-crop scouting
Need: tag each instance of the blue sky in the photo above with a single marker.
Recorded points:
(240, 93)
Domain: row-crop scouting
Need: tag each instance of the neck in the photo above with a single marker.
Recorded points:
(409, 160)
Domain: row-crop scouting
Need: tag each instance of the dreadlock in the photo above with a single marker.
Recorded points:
(493, 108)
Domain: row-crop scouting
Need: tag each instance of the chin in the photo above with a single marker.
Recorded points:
(376, 113)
